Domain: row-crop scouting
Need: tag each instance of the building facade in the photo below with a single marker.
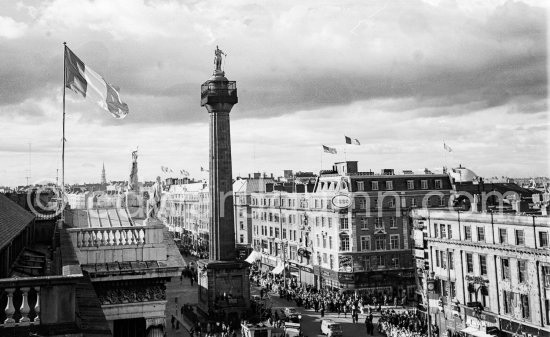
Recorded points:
(346, 229)
(491, 270)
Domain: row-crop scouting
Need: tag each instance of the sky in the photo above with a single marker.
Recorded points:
(402, 77)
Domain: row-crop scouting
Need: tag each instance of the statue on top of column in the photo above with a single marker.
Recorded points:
(218, 58)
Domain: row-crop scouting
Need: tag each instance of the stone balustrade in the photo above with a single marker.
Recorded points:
(115, 236)
(38, 300)
(118, 244)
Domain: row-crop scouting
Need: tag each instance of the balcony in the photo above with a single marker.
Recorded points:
(213, 92)
(38, 300)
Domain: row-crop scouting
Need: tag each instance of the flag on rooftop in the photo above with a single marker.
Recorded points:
(329, 149)
(447, 147)
(84, 81)
(354, 141)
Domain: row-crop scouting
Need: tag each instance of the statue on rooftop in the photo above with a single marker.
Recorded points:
(218, 58)
(154, 202)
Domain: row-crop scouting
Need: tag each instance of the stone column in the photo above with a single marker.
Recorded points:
(155, 326)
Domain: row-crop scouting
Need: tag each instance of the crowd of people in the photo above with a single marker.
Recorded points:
(324, 299)
(403, 324)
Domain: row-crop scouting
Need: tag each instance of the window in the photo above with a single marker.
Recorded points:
(324, 257)
(508, 302)
(522, 271)
(375, 186)
(443, 230)
(360, 186)
(378, 224)
(502, 236)
(449, 232)
(344, 242)
(391, 203)
(365, 243)
(284, 233)
(524, 301)
(344, 223)
(330, 242)
(413, 202)
(395, 262)
(380, 243)
(393, 223)
(329, 222)
(324, 241)
(389, 185)
(443, 260)
(437, 263)
(366, 263)
(331, 261)
(436, 230)
(322, 222)
(362, 203)
(451, 261)
(483, 265)
(277, 233)
(394, 241)
(520, 239)
(424, 184)
(241, 238)
(410, 184)
(543, 239)
(380, 261)
(316, 221)
(481, 234)
(364, 224)
(442, 201)
(242, 224)
(438, 184)
(546, 277)
(505, 265)
(469, 263)
(467, 233)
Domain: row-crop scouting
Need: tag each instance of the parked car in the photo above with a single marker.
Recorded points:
(331, 328)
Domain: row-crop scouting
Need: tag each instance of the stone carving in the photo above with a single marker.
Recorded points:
(153, 204)
(218, 58)
(131, 294)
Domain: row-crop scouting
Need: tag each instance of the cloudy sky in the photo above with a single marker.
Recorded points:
(401, 76)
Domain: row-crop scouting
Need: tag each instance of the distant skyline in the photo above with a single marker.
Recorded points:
(402, 77)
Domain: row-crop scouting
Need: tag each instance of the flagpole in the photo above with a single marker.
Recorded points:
(63, 139)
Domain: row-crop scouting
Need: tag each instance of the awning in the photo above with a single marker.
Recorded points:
(295, 274)
(475, 332)
(277, 270)
(253, 257)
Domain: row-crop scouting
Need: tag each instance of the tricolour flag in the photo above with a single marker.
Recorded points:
(354, 141)
(328, 149)
(447, 147)
(83, 80)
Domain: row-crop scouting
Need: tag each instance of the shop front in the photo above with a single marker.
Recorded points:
(511, 328)
(303, 274)
(479, 324)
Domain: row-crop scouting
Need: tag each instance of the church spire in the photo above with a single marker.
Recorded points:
(103, 178)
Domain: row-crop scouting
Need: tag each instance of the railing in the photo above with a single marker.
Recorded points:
(219, 88)
(115, 236)
(21, 299)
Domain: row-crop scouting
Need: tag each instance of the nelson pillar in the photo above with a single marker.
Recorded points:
(224, 290)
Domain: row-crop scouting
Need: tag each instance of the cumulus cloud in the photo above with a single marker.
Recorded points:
(426, 60)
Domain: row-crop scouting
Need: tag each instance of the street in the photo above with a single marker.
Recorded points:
(311, 320)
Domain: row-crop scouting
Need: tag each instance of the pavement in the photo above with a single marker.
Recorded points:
(179, 293)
